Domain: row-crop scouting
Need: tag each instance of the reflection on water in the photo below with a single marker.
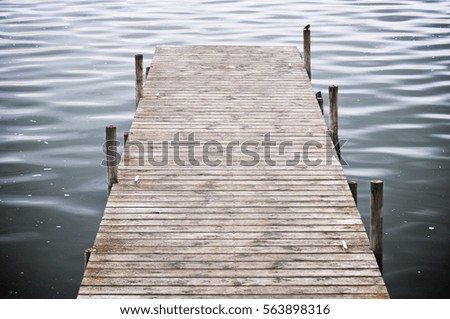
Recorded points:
(67, 72)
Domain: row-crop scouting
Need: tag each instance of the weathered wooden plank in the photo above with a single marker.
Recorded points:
(147, 236)
(224, 193)
(269, 257)
(148, 220)
(233, 265)
(337, 179)
(140, 246)
(231, 229)
(158, 181)
(280, 211)
(237, 290)
(248, 173)
(252, 163)
(316, 134)
(241, 242)
(298, 281)
(227, 273)
(226, 186)
(247, 296)
(223, 217)
(282, 200)
(158, 206)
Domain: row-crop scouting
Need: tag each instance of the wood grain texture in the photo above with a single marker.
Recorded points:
(273, 229)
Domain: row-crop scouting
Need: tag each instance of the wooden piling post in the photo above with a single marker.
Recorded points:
(354, 189)
(87, 255)
(376, 220)
(307, 50)
(139, 68)
(126, 134)
(320, 100)
(333, 96)
(111, 155)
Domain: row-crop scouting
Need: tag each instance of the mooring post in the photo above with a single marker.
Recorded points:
(307, 50)
(354, 189)
(139, 66)
(111, 155)
(376, 220)
(87, 255)
(333, 96)
(320, 100)
(126, 134)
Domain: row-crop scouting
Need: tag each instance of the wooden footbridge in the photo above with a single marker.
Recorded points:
(229, 187)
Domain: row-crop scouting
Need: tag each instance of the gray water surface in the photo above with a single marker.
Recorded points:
(67, 71)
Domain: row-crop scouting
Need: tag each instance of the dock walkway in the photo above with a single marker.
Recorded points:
(252, 202)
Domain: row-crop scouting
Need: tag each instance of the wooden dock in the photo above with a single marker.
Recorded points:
(234, 221)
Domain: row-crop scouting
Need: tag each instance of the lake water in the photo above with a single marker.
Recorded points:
(67, 71)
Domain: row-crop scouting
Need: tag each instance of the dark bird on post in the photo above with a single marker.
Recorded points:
(307, 27)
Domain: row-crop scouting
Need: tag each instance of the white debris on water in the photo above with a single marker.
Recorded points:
(431, 228)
